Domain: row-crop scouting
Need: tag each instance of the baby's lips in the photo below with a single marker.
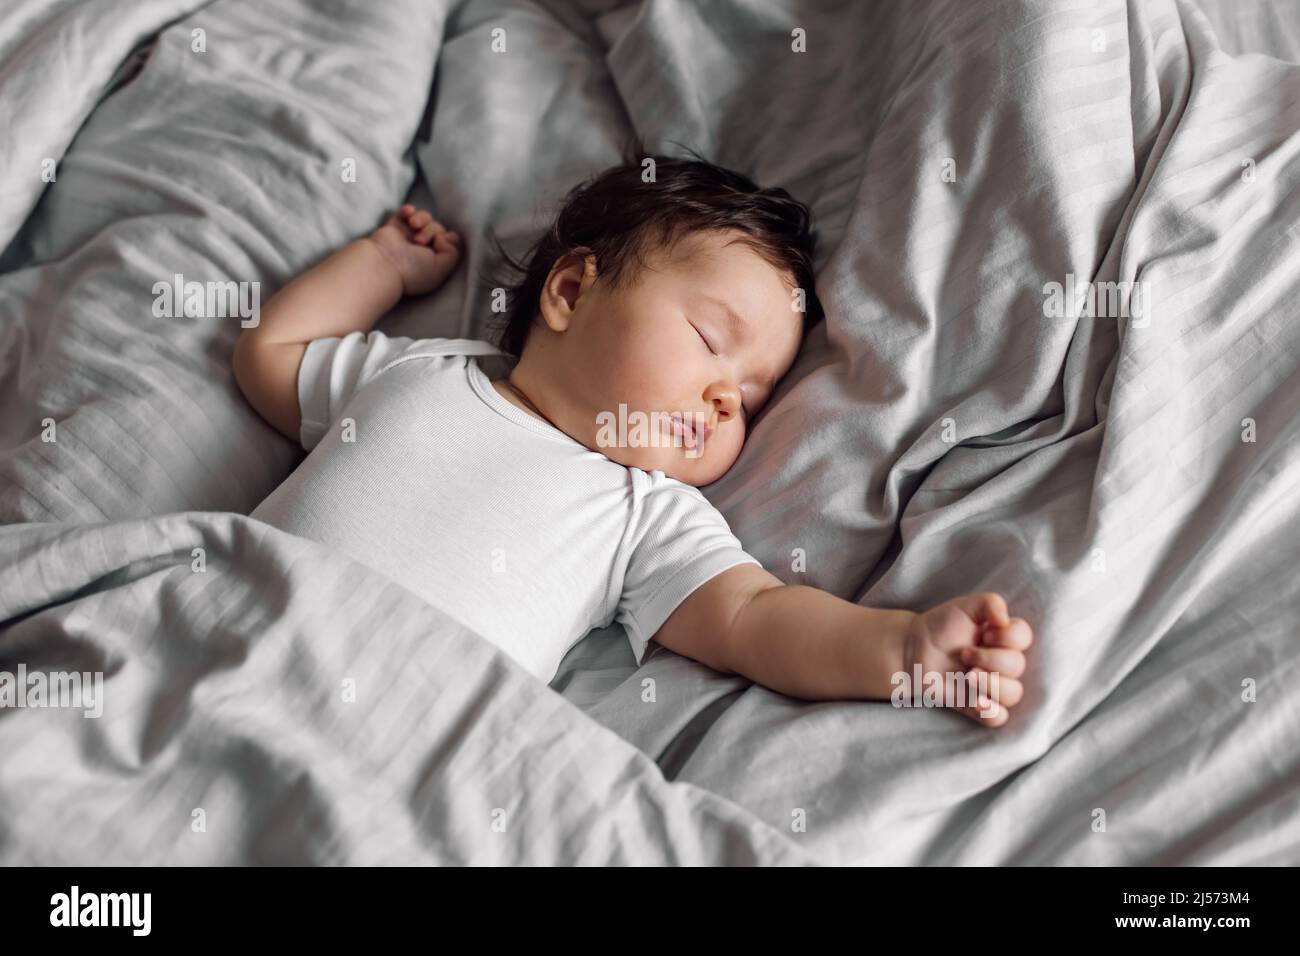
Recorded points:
(682, 428)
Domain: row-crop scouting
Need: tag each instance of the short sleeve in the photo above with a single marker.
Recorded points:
(333, 370)
(679, 541)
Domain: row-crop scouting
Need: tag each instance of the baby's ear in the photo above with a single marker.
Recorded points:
(568, 280)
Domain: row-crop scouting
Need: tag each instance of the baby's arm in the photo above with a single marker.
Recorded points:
(348, 292)
(810, 644)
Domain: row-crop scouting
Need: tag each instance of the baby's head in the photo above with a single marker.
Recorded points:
(678, 289)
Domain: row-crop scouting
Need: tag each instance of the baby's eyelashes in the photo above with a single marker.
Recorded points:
(706, 342)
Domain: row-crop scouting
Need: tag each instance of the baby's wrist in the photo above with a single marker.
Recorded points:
(387, 258)
(892, 653)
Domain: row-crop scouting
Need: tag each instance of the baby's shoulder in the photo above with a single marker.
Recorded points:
(446, 351)
(658, 494)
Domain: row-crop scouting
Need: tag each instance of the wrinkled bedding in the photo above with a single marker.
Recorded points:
(1130, 486)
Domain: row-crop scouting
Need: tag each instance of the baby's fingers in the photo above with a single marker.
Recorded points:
(985, 606)
(987, 712)
(985, 693)
(1007, 691)
(1017, 635)
(430, 230)
(1004, 661)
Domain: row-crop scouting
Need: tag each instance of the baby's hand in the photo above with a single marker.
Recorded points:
(419, 247)
(972, 635)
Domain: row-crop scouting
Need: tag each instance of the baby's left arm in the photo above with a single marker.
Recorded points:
(807, 643)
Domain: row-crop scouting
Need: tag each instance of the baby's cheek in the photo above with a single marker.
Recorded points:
(737, 444)
(724, 457)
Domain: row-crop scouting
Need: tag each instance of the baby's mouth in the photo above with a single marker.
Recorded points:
(693, 433)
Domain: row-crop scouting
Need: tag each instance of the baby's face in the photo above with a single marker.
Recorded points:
(666, 343)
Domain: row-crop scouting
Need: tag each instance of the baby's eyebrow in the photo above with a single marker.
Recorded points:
(741, 332)
(734, 321)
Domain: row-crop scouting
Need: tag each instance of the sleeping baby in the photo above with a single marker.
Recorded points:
(539, 489)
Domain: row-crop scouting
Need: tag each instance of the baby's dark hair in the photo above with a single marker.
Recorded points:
(618, 215)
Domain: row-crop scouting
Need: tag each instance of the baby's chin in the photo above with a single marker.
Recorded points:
(680, 463)
(694, 477)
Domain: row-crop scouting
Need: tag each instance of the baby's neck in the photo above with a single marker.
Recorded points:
(510, 395)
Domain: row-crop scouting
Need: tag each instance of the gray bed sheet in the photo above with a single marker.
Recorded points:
(939, 434)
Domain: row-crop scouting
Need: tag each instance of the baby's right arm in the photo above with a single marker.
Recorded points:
(410, 254)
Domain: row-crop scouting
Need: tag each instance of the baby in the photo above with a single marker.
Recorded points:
(511, 493)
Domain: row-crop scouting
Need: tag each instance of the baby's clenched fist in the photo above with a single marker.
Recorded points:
(422, 250)
(972, 636)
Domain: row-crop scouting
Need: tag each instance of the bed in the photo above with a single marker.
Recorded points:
(1130, 484)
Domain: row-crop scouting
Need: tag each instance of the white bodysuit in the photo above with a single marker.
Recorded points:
(420, 469)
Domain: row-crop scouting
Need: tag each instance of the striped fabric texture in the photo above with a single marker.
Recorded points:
(1059, 261)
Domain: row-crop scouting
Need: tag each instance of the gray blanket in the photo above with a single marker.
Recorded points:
(1127, 481)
